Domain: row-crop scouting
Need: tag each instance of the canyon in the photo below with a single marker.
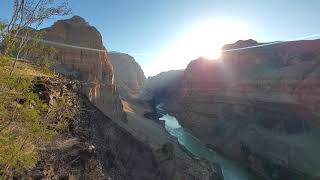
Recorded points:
(110, 138)
(258, 106)
(161, 85)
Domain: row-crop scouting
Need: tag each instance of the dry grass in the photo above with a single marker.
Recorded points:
(24, 69)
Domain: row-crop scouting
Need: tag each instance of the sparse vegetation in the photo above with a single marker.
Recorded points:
(21, 35)
(24, 118)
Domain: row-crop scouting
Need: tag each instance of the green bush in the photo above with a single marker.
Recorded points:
(22, 114)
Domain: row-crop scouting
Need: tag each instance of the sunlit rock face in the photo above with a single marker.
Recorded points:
(129, 77)
(259, 106)
(91, 66)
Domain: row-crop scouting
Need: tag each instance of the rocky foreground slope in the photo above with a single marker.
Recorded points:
(129, 77)
(92, 146)
(259, 106)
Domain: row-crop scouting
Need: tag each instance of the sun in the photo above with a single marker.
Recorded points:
(207, 38)
(201, 39)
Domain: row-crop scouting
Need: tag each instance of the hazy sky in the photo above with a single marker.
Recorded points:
(146, 29)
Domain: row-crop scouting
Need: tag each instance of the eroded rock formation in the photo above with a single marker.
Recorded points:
(129, 77)
(259, 106)
(81, 55)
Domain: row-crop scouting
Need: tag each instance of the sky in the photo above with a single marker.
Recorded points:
(167, 34)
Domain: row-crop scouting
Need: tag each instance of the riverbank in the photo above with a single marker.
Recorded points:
(231, 170)
(154, 135)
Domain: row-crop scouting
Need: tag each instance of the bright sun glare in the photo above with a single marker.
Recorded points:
(204, 39)
(207, 38)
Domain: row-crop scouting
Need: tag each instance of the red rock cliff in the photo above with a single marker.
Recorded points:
(259, 106)
(83, 56)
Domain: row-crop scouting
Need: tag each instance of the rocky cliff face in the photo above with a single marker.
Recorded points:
(162, 85)
(81, 55)
(259, 106)
(129, 77)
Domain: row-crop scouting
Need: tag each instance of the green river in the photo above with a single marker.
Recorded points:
(231, 170)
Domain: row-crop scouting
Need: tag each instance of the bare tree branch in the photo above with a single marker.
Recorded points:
(27, 17)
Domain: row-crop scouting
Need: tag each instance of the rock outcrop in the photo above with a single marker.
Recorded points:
(81, 55)
(259, 106)
(162, 85)
(128, 75)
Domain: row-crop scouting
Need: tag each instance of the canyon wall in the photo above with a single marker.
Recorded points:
(128, 75)
(162, 85)
(259, 106)
(81, 55)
